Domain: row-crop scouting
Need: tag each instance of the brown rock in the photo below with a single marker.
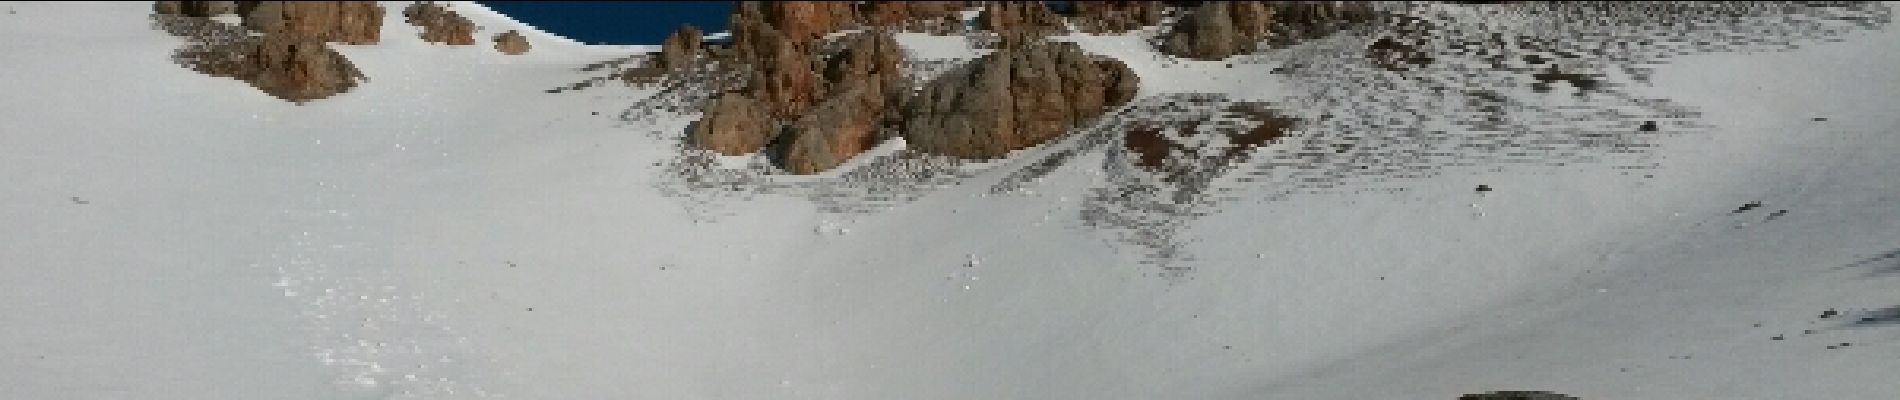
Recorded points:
(680, 48)
(735, 125)
(1024, 17)
(1115, 16)
(353, 22)
(512, 43)
(807, 20)
(911, 14)
(168, 7)
(1219, 29)
(1014, 98)
(840, 128)
(863, 81)
(300, 69)
(440, 25)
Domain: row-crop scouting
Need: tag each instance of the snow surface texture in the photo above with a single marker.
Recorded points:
(474, 225)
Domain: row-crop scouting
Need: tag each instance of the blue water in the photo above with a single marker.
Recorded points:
(616, 22)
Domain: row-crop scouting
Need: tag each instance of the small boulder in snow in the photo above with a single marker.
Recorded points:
(352, 22)
(1019, 96)
(512, 43)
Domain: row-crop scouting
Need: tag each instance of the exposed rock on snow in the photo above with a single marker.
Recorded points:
(843, 126)
(1019, 17)
(1014, 98)
(440, 25)
(285, 64)
(1115, 16)
(1220, 29)
(680, 48)
(735, 125)
(352, 22)
(512, 43)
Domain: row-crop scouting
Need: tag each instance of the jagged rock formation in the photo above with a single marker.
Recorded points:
(863, 83)
(822, 107)
(1014, 18)
(512, 43)
(440, 25)
(1219, 29)
(194, 8)
(352, 22)
(1014, 98)
(1099, 17)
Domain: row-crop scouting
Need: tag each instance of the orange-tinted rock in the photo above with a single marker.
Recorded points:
(440, 25)
(1220, 29)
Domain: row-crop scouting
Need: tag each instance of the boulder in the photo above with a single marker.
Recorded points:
(1014, 98)
(1115, 16)
(440, 25)
(680, 48)
(512, 43)
(352, 22)
(735, 125)
(838, 129)
(862, 81)
(299, 69)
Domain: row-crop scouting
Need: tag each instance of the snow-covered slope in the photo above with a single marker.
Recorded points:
(462, 227)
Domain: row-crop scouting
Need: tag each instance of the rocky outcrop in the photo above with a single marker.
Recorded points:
(1219, 29)
(440, 25)
(1014, 98)
(194, 8)
(512, 43)
(1011, 18)
(735, 125)
(352, 22)
(840, 128)
(863, 84)
(290, 67)
(680, 48)
(1115, 16)
(781, 61)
